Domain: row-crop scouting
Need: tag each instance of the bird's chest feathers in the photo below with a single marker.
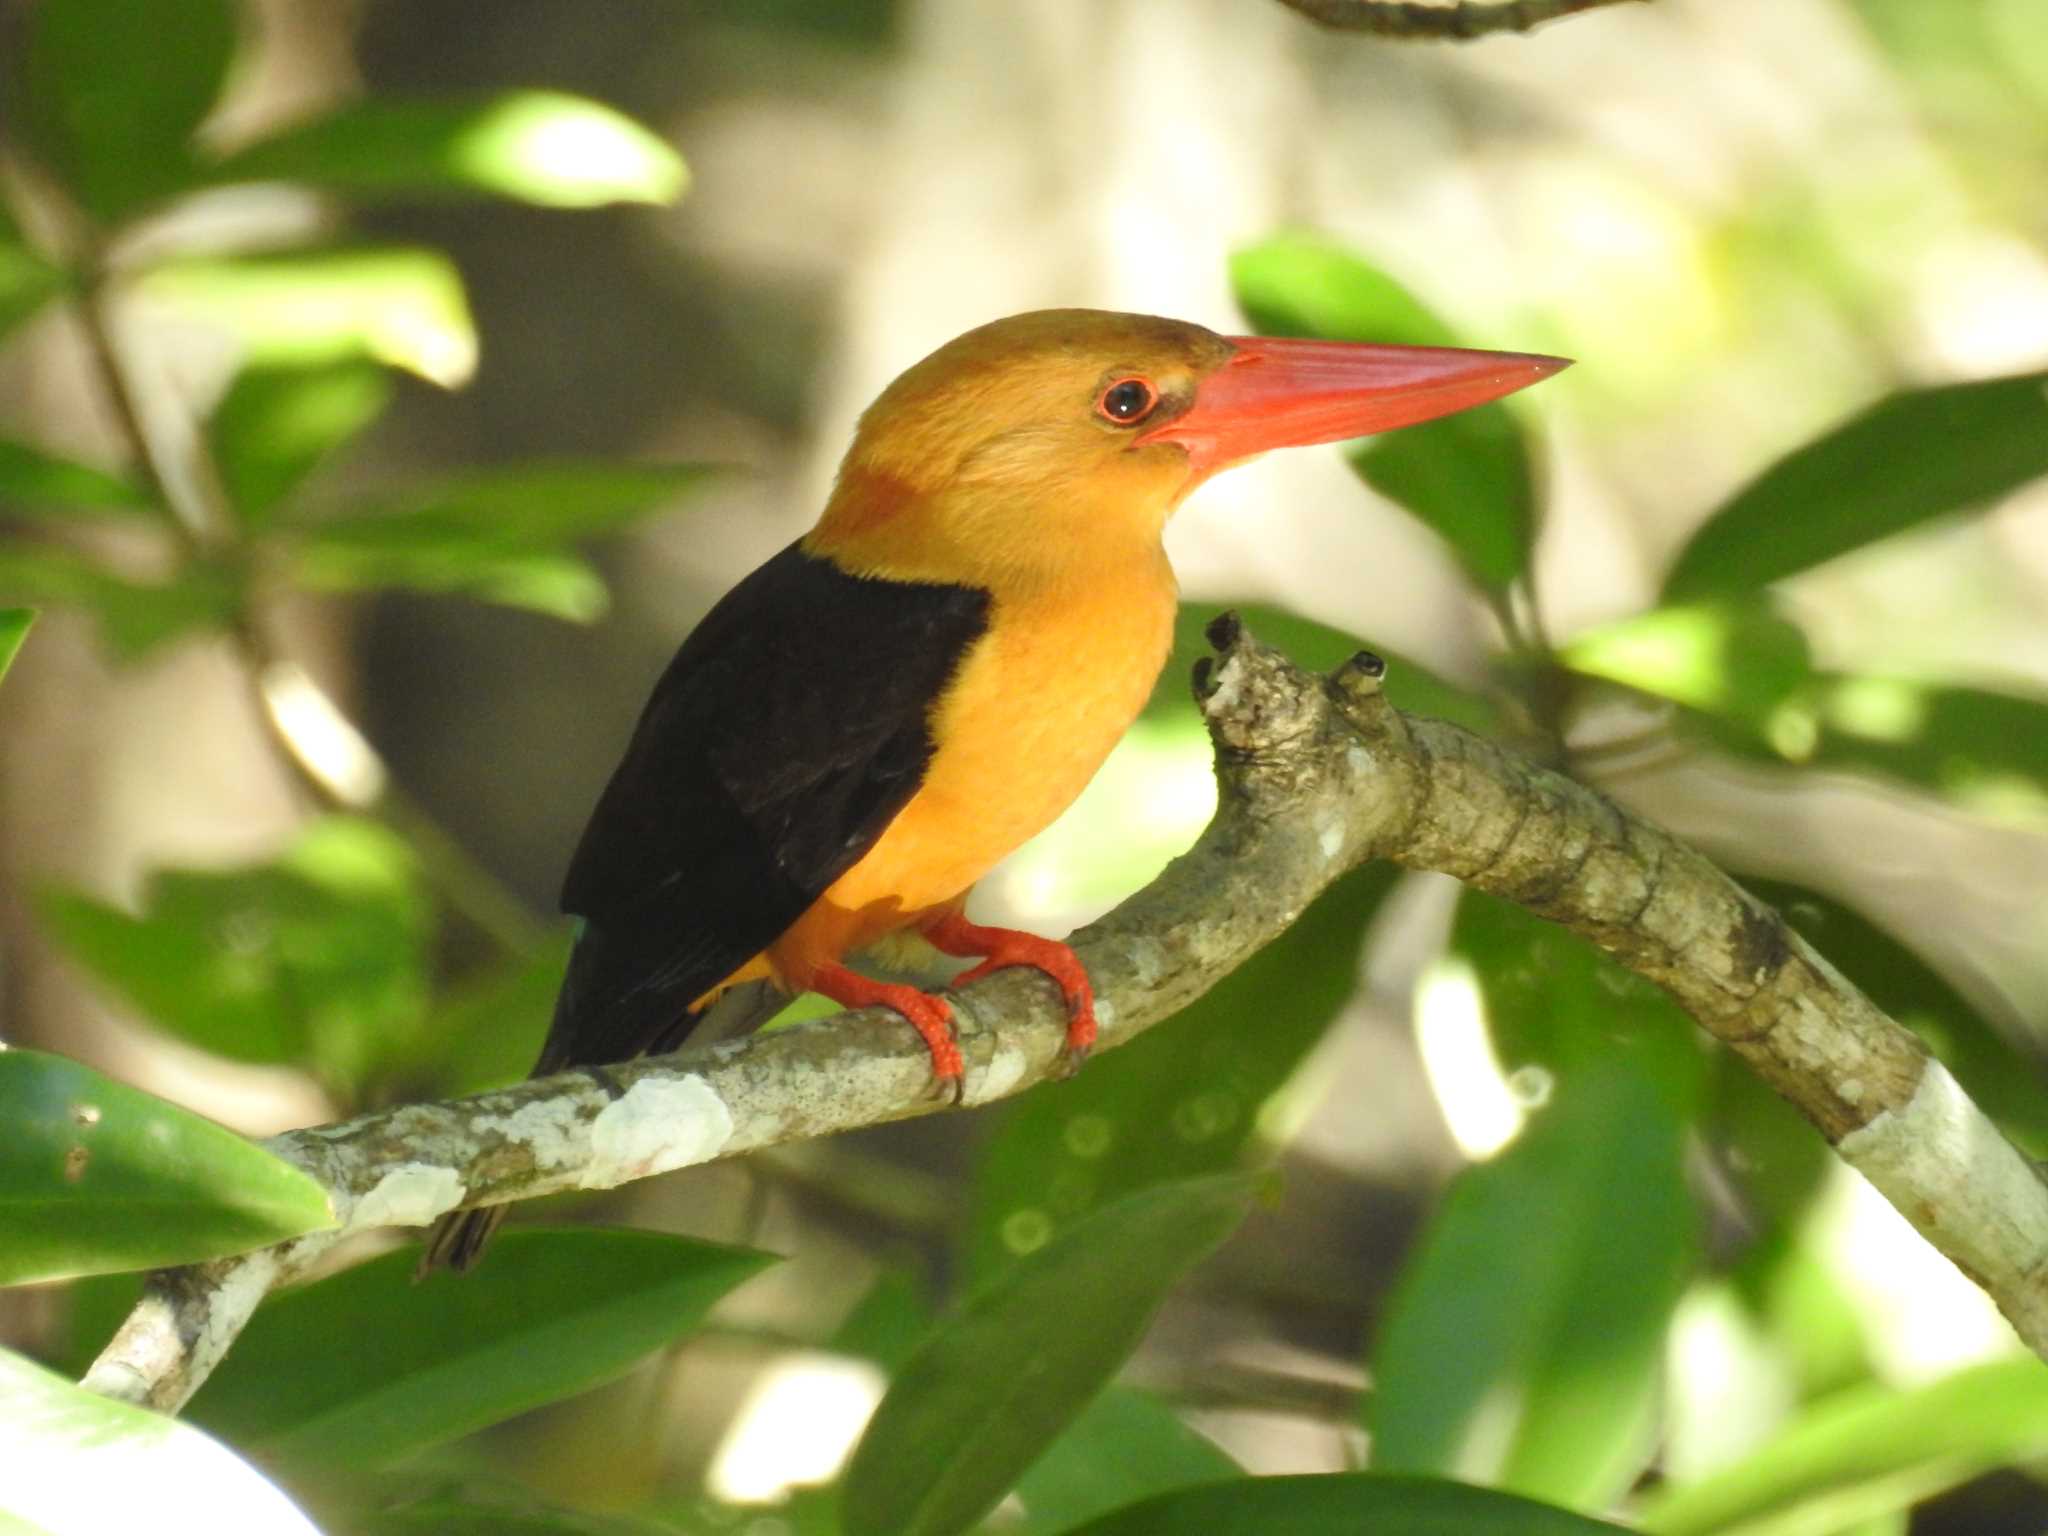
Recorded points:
(1033, 710)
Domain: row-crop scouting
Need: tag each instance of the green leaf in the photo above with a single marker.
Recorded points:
(535, 146)
(995, 1384)
(498, 535)
(275, 425)
(1968, 743)
(98, 1176)
(887, 1323)
(511, 1515)
(1556, 1004)
(1466, 477)
(27, 281)
(562, 586)
(1177, 1102)
(1123, 1447)
(1867, 1452)
(400, 307)
(1541, 1375)
(1342, 1504)
(1320, 648)
(316, 958)
(1909, 458)
(553, 1313)
(115, 89)
(486, 1032)
(134, 618)
(79, 1464)
(540, 504)
(2006, 1080)
(1737, 661)
(14, 625)
(32, 482)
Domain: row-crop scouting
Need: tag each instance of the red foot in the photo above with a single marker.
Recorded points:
(931, 1017)
(1004, 947)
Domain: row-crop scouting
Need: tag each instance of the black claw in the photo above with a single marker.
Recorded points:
(1204, 667)
(1370, 664)
(606, 1081)
(1224, 629)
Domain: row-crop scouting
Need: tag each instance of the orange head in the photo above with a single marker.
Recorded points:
(1066, 437)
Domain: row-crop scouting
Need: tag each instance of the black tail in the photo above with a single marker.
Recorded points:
(597, 1021)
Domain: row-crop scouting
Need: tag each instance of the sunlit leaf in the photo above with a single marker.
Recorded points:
(1342, 1504)
(1466, 477)
(1320, 648)
(317, 958)
(404, 308)
(1176, 1102)
(27, 281)
(1540, 1374)
(2005, 1080)
(1968, 743)
(536, 146)
(1865, 1453)
(34, 482)
(79, 1464)
(115, 89)
(997, 1382)
(14, 626)
(1739, 661)
(562, 586)
(275, 425)
(1909, 458)
(1123, 1447)
(498, 535)
(551, 1314)
(98, 1176)
(135, 618)
(545, 502)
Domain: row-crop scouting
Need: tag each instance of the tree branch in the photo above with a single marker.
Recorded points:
(1408, 20)
(1316, 776)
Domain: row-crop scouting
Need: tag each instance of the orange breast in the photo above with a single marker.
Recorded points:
(1035, 708)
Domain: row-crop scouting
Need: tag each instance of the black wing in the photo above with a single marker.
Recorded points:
(789, 730)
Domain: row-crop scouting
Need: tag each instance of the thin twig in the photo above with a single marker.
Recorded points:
(1315, 776)
(1409, 20)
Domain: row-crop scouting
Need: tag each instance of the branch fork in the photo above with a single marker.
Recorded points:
(1316, 775)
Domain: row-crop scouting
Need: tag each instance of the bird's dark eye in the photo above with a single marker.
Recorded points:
(1127, 402)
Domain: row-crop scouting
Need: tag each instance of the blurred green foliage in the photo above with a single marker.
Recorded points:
(1531, 1343)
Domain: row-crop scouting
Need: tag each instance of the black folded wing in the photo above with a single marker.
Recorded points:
(784, 737)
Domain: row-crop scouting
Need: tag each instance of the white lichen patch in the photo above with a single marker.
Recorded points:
(410, 1195)
(1358, 760)
(658, 1124)
(1229, 685)
(1330, 837)
(233, 1302)
(1943, 1164)
(551, 1129)
(1002, 1074)
(1148, 960)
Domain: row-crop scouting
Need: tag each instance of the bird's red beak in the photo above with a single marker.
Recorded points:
(1277, 392)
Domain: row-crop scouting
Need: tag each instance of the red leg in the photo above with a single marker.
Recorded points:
(931, 1017)
(1003, 947)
